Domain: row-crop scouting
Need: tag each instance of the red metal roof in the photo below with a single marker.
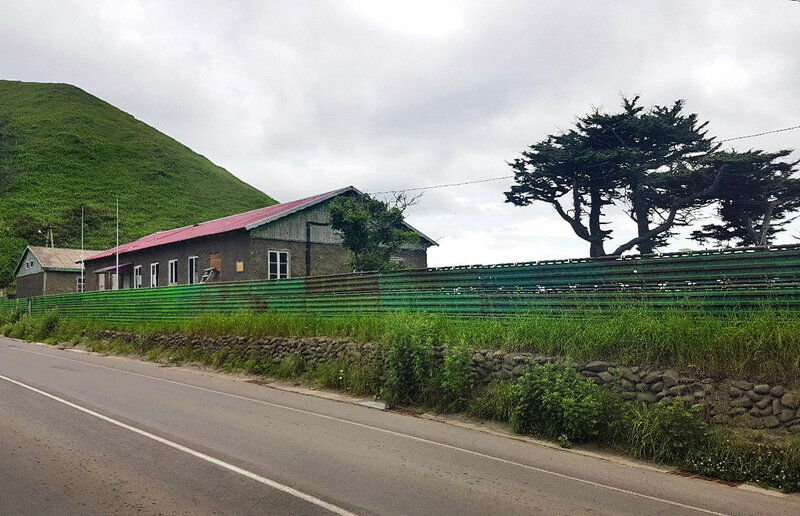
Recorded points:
(247, 220)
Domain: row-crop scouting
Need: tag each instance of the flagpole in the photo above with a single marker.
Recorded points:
(83, 265)
(117, 250)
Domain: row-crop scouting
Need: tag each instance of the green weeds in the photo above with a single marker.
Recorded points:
(494, 402)
(758, 344)
(554, 401)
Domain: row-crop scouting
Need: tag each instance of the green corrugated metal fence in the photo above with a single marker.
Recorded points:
(708, 280)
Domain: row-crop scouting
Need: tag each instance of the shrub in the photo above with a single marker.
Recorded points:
(457, 378)
(496, 402)
(553, 400)
(665, 432)
(410, 372)
(48, 324)
(25, 328)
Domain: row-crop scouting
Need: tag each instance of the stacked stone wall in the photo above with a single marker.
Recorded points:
(729, 401)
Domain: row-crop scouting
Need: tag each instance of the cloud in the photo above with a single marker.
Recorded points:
(297, 97)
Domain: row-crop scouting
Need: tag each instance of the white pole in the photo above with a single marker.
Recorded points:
(117, 274)
(83, 265)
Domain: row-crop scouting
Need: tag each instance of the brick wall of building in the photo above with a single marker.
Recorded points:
(60, 282)
(236, 246)
(30, 285)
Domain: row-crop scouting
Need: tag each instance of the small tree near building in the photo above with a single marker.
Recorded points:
(372, 229)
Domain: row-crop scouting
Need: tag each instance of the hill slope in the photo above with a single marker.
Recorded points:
(61, 148)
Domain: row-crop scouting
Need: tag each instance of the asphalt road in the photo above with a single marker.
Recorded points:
(87, 434)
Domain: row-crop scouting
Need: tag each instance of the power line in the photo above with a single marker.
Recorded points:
(761, 134)
(445, 185)
(448, 185)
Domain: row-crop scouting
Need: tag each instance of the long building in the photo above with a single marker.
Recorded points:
(275, 242)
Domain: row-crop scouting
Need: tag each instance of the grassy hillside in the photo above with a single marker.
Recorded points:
(61, 148)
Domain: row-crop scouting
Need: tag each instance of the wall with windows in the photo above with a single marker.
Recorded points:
(30, 265)
(232, 247)
(242, 256)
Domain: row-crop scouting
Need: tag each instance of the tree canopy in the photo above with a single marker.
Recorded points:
(372, 229)
(660, 165)
(755, 199)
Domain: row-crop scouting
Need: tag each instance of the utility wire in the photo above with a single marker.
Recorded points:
(760, 134)
(448, 185)
(445, 185)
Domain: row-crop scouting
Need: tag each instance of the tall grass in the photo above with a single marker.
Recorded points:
(761, 344)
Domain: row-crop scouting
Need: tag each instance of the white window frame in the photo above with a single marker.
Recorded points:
(191, 271)
(154, 275)
(275, 254)
(80, 284)
(172, 266)
(137, 276)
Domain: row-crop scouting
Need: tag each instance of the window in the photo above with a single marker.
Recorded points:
(173, 272)
(153, 275)
(192, 270)
(239, 266)
(101, 282)
(80, 284)
(278, 265)
(137, 276)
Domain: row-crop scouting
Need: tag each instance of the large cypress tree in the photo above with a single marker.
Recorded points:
(653, 161)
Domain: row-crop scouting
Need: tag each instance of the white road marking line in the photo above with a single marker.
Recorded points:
(230, 467)
(392, 432)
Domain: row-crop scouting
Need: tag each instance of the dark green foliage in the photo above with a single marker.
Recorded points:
(756, 196)
(10, 246)
(62, 148)
(371, 229)
(48, 324)
(553, 400)
(411, 377)
(457, 379)
(649, 160)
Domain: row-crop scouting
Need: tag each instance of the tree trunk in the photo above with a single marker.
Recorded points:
(595, 229)
(766, 223)
(642, 220)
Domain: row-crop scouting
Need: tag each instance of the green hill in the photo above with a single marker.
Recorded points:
(61, 148)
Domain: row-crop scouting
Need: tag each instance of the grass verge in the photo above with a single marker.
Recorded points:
(757, 344)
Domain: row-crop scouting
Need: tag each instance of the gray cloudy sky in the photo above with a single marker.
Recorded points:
(297, 97)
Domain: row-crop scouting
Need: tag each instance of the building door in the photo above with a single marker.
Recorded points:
(215, 261)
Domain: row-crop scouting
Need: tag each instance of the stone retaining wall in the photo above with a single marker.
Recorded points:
(729, 401)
